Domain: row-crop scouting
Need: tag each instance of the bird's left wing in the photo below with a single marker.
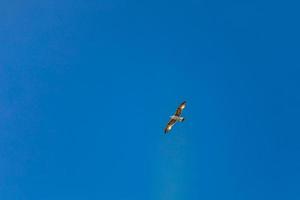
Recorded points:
(180, 108)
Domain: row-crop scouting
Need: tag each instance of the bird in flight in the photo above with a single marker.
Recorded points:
(176, 117)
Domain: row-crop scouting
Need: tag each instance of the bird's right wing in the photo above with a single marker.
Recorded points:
(170, 125)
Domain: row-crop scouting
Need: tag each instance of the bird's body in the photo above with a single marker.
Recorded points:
(176, 117)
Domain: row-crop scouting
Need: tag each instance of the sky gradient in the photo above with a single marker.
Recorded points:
(87, 88)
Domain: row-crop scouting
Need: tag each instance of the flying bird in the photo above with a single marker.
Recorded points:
(176, 117)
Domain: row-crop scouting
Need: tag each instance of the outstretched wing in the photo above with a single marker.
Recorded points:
(180, 108)
(170, 125)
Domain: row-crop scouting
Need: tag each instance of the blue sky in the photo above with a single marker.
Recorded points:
(87, 88)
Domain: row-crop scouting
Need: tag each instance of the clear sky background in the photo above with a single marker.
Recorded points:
(86, 88)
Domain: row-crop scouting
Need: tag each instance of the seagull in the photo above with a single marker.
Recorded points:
(176, 117)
